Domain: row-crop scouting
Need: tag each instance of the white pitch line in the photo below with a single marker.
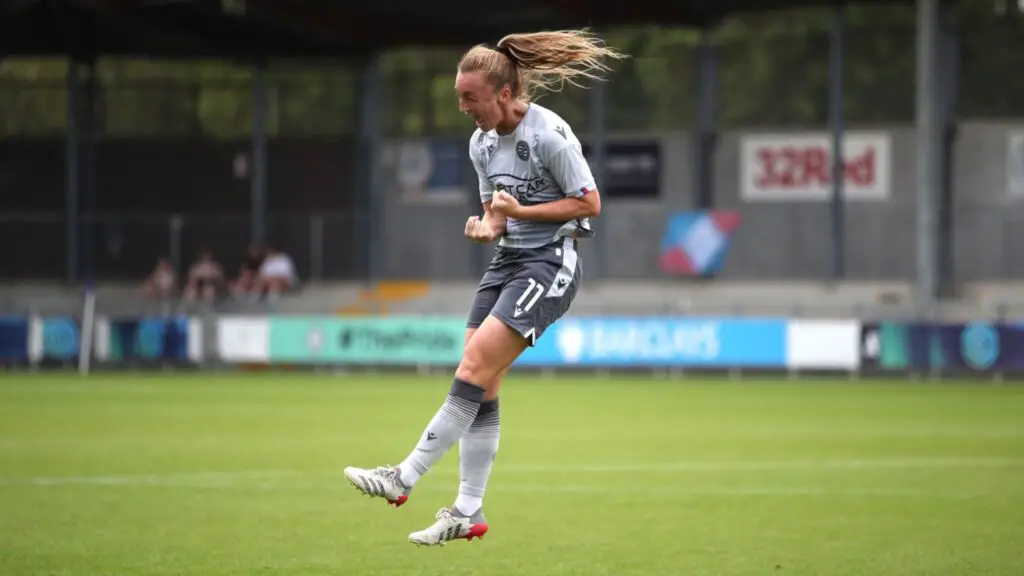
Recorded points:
(772, 465)
(292, 477)
(243, 481)
(226, 478)
(798, 434)
(686, 491)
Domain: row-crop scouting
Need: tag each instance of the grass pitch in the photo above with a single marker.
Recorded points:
(240, 475)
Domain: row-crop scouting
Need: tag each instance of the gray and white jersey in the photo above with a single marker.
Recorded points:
(542, 161)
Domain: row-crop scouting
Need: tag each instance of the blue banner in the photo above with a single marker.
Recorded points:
(13, 340)
(433, 170)
(148, 339)
(952, 346)
(61, 339)
(641, 342)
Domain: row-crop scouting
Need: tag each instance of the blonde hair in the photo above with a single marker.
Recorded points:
(537, 61)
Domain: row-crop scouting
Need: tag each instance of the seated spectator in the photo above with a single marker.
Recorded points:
(160, 283)
(276, 275)
(250, 268)
(205, 278)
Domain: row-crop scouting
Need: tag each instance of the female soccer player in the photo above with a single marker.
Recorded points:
(538, 195)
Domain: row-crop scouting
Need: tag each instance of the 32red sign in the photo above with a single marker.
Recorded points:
(800, 167)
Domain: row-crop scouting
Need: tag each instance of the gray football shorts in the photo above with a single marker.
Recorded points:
(528, 289)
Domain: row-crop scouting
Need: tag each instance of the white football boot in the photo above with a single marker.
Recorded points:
(380, 482)
(450, 525)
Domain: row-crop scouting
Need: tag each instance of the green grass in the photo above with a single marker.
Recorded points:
(217, 475)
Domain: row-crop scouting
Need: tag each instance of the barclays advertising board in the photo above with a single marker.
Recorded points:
(694, 342)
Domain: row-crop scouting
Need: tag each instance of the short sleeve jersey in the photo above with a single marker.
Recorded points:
(541, 161)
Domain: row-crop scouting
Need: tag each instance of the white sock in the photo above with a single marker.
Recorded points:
(451, 422)
(477, 450)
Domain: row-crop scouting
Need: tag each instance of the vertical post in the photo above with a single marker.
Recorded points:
(369, 150)
(316, 247)
(174, 226)
(950, 93)
(706, 123)
(71, 187)
(597, 119)
(88, 170)
(928, 162)
(258, 184)
(836, 121)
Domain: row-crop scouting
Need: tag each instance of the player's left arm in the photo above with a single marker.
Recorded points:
(571, 172)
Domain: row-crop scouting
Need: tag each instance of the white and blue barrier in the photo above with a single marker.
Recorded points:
(598, 342)
(711, 343)
(662, 342)
(57, 340)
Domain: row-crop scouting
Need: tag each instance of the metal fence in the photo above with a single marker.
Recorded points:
(126, 247)
(333, 246)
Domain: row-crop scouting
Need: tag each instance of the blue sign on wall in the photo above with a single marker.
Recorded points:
(696, 243)
(148, 339)
(693, 342)
(13, 340)
(923, 345)
(434, 170)
(61, 338)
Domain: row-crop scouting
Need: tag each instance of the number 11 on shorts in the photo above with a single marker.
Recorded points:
(533, 292)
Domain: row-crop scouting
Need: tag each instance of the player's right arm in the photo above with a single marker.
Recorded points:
(491, 226)
(487, 229)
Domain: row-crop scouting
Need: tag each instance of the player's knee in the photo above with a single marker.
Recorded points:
(475, 369)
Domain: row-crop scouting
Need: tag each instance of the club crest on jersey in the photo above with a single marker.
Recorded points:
(523, 150)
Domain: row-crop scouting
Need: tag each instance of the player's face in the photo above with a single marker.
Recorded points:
(481, 101)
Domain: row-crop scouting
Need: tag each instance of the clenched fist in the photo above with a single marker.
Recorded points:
(479, 231)
(504, 203)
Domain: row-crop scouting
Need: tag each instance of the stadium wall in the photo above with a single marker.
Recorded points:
(778, 182)
(158, 197)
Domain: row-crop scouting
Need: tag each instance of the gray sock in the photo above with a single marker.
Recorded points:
(450, 423)
(477, 450)
(476, 518)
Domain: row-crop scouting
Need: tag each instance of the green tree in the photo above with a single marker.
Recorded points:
(772, 71)
(33, 97)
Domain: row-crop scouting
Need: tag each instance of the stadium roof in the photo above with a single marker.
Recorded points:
(318, 28)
